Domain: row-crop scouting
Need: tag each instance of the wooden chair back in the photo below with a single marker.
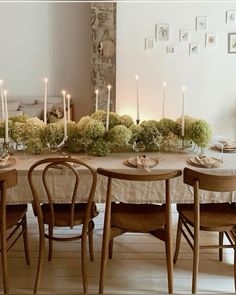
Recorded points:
(70, 164)
(210, 182)
(7, 180)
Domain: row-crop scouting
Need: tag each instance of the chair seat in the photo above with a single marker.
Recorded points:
(138, 217)
(213, 217)
(14, 213)
(62, 213)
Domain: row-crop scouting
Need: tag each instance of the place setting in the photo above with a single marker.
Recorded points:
(203, 161)
(224, 146)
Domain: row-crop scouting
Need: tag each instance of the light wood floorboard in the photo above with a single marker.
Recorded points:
(138, 266)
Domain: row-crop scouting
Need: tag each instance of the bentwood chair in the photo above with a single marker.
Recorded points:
(213, 217)
(12, 222)
(143, 218)
(72, 212)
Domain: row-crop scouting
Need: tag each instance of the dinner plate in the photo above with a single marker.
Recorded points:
(214, 164)
(10, 162)
(133, 162)
(225, 149)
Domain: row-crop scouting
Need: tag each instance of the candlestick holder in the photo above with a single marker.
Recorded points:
(63, 145)
(137, 121)
(5, 149)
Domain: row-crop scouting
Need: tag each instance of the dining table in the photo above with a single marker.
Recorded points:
(125, 191)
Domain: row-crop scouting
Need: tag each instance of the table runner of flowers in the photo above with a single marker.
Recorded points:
(91, 135)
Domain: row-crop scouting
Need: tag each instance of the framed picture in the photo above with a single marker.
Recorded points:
(210, 40)
(170, 49)
(232, 43)
(162, 32)
(231, 16)
(149, 43)
(193, 49)
(183, 36)
(201, 23)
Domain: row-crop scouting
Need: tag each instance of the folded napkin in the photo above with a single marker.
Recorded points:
(4, 160)
(206, 161)
(144, 162)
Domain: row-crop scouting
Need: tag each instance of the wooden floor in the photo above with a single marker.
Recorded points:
(138, 266)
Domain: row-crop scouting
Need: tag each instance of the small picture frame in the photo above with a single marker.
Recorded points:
(183, 36)
(231, 16)
(201, 23)
(170, 49)
(232, 43)
(162, 32)
(149, 43)
(193, 49)
(210, 40)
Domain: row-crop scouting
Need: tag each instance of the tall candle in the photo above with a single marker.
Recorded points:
(64, 110)
(96, 104)
(68, 107)
(183, 102)
(2, 101)
(164, 100)
(6, 118)
(108, 106)
(45, 99)
(137, 98)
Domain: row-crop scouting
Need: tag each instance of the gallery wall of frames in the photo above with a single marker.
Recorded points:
(178, 44)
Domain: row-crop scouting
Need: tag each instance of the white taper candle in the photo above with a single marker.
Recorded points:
(108, 106)
(2, 101)
(164, 100)
(96, 103)
(45, 100)
(6, 118)
(64, 110)
(137, 97)
(183, 110)
(68, 107)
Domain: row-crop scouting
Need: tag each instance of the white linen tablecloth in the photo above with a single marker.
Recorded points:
(125, 191)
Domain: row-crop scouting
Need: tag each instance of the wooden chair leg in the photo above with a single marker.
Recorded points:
(83, 261)
(169, 261)
(4, 262)
(195, 262)
(178, 239)
(25, 238)
(235, 269)
(50, 242)
(90, 236)
(221, 238)
(40, 258)
(111, 249)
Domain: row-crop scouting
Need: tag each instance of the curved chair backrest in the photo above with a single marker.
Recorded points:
(50, 164)
(7, 180)
(210, 182)
(111, 174)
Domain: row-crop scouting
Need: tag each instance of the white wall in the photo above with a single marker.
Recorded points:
(46, 40)
(210, 77)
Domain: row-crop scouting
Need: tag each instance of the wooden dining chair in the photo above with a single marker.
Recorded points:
(143, 218)
(13, 224)
(70, 213)
(213, 217)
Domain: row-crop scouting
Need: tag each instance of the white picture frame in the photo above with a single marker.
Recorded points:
(149, 44)
(201, 23)
(232, 43)
(162, 32)
(194, 49)
(210, 39)
(230, 16)
(170, 49)
(183, 36)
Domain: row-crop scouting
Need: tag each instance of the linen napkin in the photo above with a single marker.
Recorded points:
(206, 161)
(144, 162)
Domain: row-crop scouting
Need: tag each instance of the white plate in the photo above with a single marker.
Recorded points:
(10, 162)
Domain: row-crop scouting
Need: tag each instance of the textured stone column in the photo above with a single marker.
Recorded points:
(103, 52)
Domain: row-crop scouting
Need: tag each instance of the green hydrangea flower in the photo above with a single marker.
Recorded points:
(127, 121)
(166, 126)
(201, 133)
(54, 134)
(93, 129)
(34, 145)
(150, 135)
(136, 133)
(72, 131)
(99, 147)
(119, 136)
